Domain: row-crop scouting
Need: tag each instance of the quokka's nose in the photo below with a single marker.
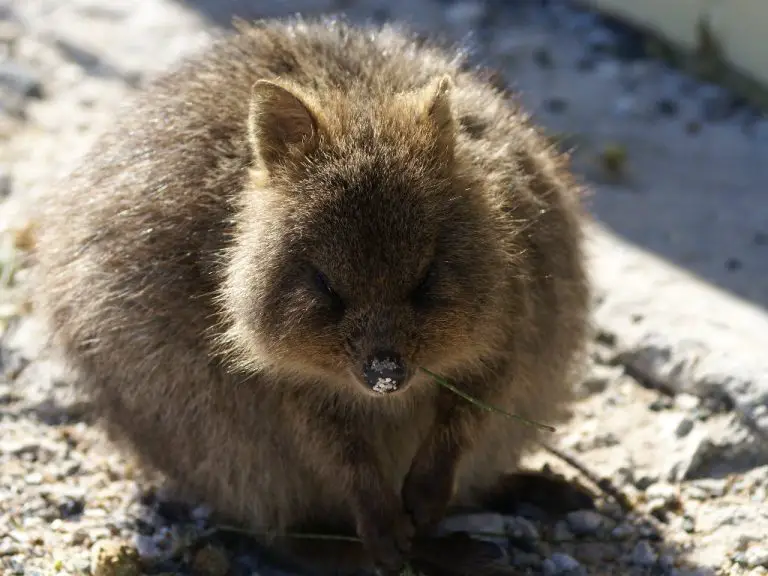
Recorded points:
(384, 371)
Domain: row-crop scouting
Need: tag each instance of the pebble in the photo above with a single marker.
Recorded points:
(8, 548)
(114, 558)
(626, 105)
(756, 556)
(712, 487)
(667, 493)
(493, 525)
(687, 402)
(643, 554)
(608, 69)
(622, 532)
(584, 522)
(20, 80)
(556, 105)
(6, 183)
(521, 529)
(600, 40)
(561, 532)
(560, 563)
(211, 561)
(699, 451)
(667, 107)
(600, 377)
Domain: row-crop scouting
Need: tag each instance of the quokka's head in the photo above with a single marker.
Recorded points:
(363, 249)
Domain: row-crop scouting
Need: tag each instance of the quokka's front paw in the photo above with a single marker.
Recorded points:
(427, 492)
(386, 531)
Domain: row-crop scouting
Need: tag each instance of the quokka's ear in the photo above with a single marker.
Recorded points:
(280, 124)
(434, 102)
(438, 102)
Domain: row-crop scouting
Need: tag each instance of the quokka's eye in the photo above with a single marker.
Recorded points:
(323, 286)
(422, 293)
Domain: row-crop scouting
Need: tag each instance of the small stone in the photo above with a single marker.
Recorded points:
(687, 402)
(70, 506)
(556, 105)
(211, 561)
(625, 106)
(664, 492)
(692, 127)
(757, 557)
(20, 80)
(660, 403)
(689, 525)
(584, 522)
(643, 554)
(622, 532)
(739, 558)
(114, 558)
(683, 427)
(548, 567)
(8, 548)
(646, 480)
(34, 479)
(19, 448)
(601, 40)
(519, 528)
(561, 532)
(146, 546)
(6, 183)
(657, 508)
(600, 378)
(667, 562)
(713, 487)
(699, 451)
(733, 264)
(485, 526)
(564, 563)
(623, 476)
(760, 238)
(543, 57)
(667, 107)
(608, 69)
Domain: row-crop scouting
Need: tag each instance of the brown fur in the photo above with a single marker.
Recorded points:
(176, 271)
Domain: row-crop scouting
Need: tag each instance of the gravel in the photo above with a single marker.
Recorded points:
(673, 410)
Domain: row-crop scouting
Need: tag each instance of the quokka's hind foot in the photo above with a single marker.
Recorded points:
(551, 493)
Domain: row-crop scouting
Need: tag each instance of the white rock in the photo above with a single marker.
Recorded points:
(662, 491)
(687, 402)
(757, 556)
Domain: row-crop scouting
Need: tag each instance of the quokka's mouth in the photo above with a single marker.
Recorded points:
(381, 388)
